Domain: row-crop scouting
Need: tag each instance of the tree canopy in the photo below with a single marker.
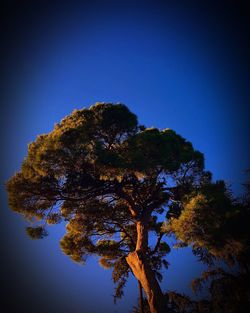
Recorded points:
(114, 182)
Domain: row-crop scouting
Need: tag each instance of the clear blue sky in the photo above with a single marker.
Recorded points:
(175, 67)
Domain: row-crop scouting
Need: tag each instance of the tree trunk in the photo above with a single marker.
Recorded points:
(138, 263)
(141, 304)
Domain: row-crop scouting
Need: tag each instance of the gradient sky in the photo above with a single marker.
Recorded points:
(183, 67)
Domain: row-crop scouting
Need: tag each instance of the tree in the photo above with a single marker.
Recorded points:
(216, 225)
(114, 181)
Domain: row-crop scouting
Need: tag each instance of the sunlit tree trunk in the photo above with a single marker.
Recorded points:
(137, 260)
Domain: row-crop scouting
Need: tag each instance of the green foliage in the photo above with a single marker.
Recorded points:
(229, 292)
(214, 224)
(180, 303)
(106, 262)
(102, 172)
(204, 215)
(152, 148)
(164, 247)
(36, 232)
(217, 226)
(120, 276)
(54, 218)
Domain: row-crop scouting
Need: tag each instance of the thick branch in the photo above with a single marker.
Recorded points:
(157, 244)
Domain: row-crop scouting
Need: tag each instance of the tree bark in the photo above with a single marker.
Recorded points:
(138, 263)
(141, 304)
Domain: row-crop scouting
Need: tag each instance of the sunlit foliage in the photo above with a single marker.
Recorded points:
(217, 227)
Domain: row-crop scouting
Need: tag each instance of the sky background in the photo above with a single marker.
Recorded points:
(181, 66)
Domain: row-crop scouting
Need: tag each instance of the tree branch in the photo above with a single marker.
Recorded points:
(157, 244)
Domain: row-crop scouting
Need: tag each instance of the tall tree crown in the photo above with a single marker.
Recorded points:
(102, 172)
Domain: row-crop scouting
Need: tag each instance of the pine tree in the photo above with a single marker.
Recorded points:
(115, 182)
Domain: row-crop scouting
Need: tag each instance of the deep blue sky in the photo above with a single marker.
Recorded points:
(182, 67)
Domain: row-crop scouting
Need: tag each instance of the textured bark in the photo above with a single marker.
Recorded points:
(142, 236)
(140, 267)
(145, 275)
